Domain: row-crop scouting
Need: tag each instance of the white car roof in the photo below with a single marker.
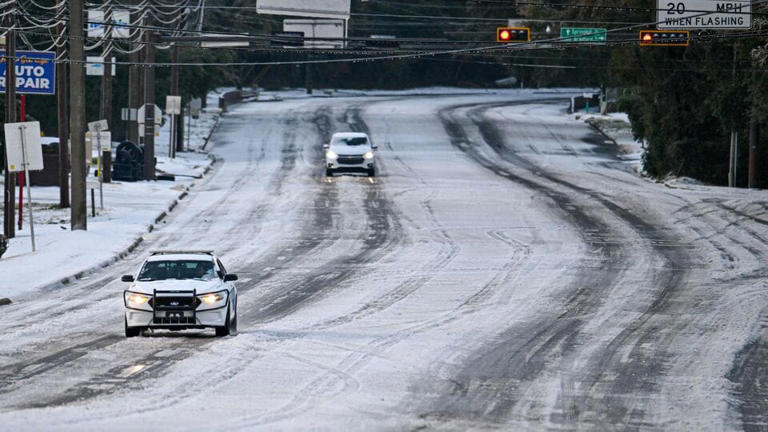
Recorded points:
(181, 257)
(349, 135)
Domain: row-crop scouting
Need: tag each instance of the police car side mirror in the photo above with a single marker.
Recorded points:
(326, 146)
(127, 278)
(230, 277)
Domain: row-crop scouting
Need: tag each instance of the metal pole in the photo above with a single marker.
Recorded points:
(106, 96)
(735, 158)
(99, 165)
(63, 118)
(174, 142)
(10, 117)
(189, 125)
(22, 118)
(79, 209)
(754, 139)
(29, 194)
(172, 138)
(731, 174)
(149, 109)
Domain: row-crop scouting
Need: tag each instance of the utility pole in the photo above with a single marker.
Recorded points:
(149, 107)
(734, 153)
(79, 210)
(178, 139)
(10, 117)
(754, 138)
(61, 101)
(134, 87)
(106, 96)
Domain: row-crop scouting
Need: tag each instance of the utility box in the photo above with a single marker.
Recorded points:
(49, 175)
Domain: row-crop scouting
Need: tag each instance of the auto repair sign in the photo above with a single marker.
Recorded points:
(35, 72)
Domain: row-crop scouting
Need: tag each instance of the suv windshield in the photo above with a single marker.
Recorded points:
(356, 141)
(162, 270)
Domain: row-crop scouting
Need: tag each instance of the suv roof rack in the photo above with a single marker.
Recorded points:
(180, 252)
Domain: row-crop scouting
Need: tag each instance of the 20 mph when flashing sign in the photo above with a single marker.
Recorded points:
(703, 14)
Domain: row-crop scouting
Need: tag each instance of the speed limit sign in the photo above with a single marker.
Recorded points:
(703, 14)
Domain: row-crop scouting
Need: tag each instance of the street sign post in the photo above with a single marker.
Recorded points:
(103, 142)
(24, 152)
(578, 34)
(703, 14)
(173, 108)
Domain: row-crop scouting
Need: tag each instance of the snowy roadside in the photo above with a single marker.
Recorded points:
(129, 211)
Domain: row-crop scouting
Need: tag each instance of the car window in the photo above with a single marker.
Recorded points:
(164, 270)
(356, 141)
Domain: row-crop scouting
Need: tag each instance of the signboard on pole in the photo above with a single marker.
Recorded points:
(24, 152)
(23, 147)
(35, 72)
(577, 34)
(121, 19)
(95, 23)
(227, 41)
(703, 14)
(316, 8)
(99, 125)
(318, 29)
(140, 114)
(173, 105)
(95, 66)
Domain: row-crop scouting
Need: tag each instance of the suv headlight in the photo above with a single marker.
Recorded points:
(368, 155)
(215, 300)
(330, 154)
(134, 300)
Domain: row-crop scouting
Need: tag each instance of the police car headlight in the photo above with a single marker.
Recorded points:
(330, 154)
(214, 300)
(135, 300)
(368, 155)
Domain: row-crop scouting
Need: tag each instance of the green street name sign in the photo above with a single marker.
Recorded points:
(576, 34)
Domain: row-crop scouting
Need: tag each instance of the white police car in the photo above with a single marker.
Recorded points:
(179, 290)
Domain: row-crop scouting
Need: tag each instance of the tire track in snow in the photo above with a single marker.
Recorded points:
(558, 337)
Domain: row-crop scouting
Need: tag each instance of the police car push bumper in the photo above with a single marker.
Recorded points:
(176, 309)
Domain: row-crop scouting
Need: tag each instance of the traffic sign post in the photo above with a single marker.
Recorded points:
(703, 14)
(577, 34)
(24, 152)
(172, 107)
(100, 129)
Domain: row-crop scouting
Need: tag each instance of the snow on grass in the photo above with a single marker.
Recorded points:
(128, 211)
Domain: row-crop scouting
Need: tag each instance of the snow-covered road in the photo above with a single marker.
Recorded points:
(505, 271)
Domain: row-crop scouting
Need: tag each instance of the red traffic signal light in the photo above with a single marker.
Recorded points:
(513, 34)
(665, 38)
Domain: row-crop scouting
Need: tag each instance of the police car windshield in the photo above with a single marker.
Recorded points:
(164, 270)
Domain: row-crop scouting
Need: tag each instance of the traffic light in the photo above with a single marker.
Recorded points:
(665, 38)
(513, 34)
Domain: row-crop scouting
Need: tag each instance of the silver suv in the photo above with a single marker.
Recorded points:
(351, 152)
